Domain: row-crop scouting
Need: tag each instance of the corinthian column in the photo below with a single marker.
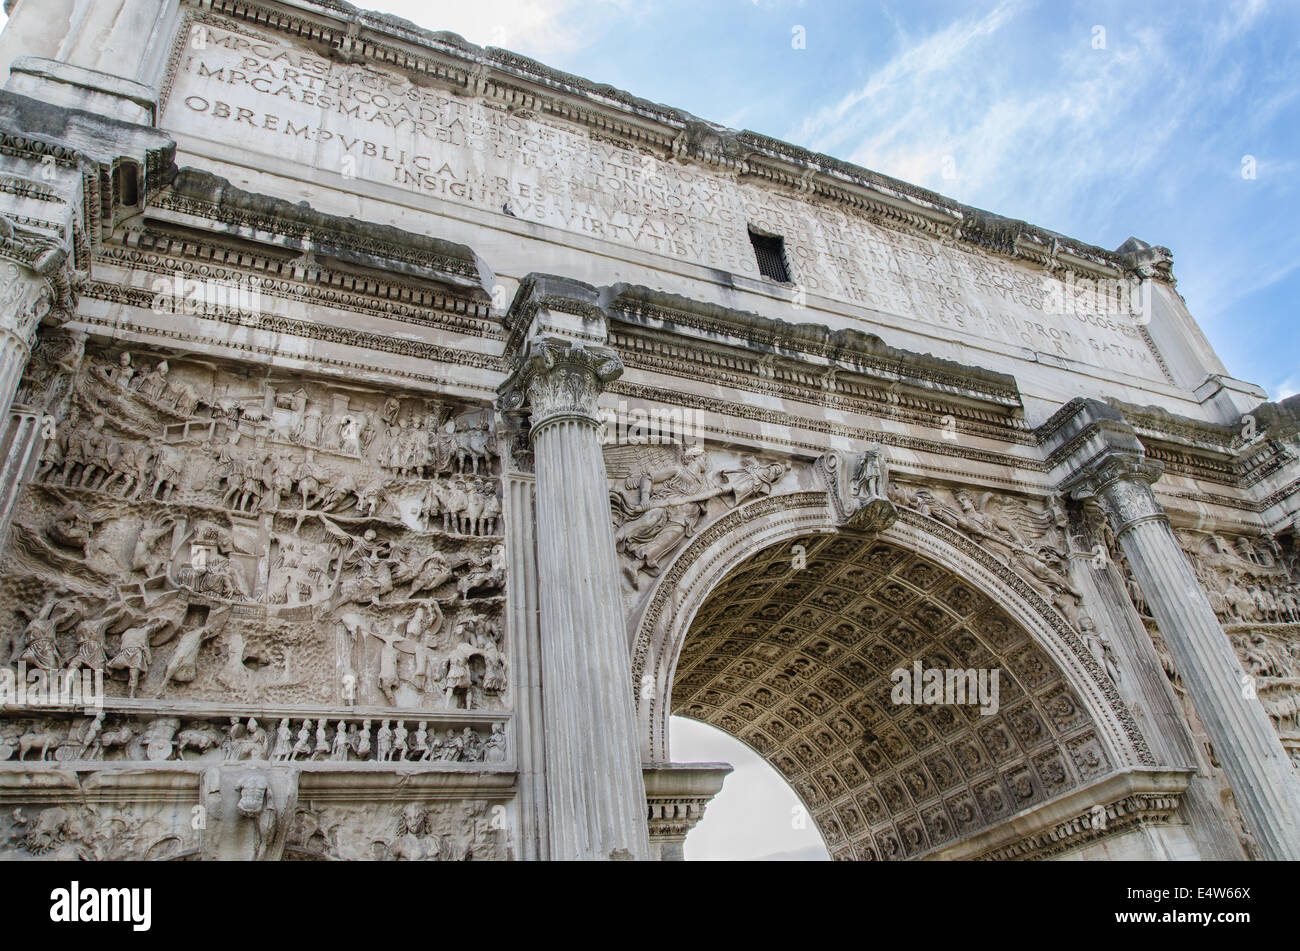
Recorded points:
(595, 793)
(1263, 780)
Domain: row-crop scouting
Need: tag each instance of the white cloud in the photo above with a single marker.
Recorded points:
(1288, 387)
(538, 28)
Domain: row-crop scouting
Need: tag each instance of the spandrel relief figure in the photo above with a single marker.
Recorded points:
(657, 508)
(753, 479)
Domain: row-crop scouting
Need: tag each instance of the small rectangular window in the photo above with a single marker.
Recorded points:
(769, 249)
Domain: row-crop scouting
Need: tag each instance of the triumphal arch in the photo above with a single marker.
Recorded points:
(397, 432)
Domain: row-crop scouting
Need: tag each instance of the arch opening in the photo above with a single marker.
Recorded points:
(794, 653)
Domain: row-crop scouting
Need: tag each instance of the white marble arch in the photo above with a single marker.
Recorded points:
(660, 632)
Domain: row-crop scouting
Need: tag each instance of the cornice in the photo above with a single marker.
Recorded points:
(850, 352)
(202, 256)
(328, 333)
(300, 229)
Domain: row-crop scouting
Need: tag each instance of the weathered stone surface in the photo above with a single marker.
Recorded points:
(394, 433)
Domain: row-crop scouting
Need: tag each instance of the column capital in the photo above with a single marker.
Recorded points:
(25, 299)
(560, 379)
(676, 797)
(1092, 451)
(556, 345)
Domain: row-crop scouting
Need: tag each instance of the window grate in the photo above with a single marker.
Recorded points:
(770, 252)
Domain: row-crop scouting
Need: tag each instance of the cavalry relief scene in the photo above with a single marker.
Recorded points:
(203, 532)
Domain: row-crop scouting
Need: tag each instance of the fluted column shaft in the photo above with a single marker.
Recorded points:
(1263, 780)
(595, 791)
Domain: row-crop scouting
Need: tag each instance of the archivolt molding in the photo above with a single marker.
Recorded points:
(661, 632)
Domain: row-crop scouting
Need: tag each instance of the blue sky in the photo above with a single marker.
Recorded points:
(1023, 108)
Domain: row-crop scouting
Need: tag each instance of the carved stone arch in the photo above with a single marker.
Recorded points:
(1098, 728)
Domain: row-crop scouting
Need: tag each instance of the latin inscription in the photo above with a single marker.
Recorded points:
(376, 125)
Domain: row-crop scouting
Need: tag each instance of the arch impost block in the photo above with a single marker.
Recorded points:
(1105, 809)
